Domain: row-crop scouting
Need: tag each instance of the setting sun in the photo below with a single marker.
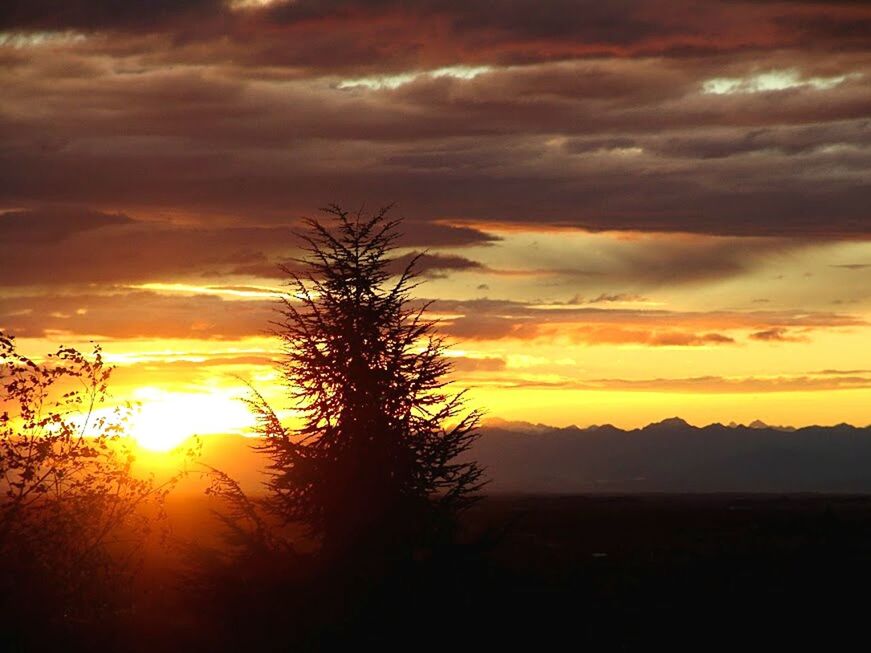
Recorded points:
(166, 419)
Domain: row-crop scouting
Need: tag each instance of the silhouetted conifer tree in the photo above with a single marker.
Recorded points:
(374, 468)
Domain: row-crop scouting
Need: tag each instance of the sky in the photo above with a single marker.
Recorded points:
(631, 209)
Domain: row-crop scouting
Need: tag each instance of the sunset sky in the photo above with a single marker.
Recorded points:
(632, 209)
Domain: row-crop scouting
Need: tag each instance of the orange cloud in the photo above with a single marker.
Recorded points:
(778, 334)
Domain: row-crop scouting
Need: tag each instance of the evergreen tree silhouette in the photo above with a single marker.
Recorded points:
(376, 467)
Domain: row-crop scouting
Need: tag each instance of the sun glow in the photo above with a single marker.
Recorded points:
(165, 420)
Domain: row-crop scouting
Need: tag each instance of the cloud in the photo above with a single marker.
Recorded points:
(701, 384)
(618, 297)
(589, 115)
(484, 327)
(104, 14)
(607, 298)
(664, 337)
(156, 158)
(350, 34)
(778, 334)
(485, 319)
(53, 225)
(731, 319)
(716, 384)
(434, 265)
(465, 364)
(134, 314)
(90, 247)
(645, 261)
(80, 246)
(131, 313)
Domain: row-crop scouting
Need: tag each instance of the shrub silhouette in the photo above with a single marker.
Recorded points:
(73, 516)
(374, 469)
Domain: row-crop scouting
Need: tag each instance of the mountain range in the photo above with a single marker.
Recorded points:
(667, 456)
(674, 456)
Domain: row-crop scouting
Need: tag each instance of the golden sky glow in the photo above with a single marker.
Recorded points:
(628, 213)
(556, 327)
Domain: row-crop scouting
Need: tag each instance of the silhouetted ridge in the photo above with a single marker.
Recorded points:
(604, 428)
(670, 423)
(674, 456)
(669, 456)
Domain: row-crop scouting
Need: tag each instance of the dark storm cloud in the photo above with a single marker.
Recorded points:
(103, 14)
(676, 261)
(336, 34)
(92, 247)
(211, 144)
(849, 30)
(654, 261)
(722, 143)
(591, 114)
(428, 234)
(80, 246)
(24, 228)
(434, 265)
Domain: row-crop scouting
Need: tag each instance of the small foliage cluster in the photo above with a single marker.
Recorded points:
(72, 513)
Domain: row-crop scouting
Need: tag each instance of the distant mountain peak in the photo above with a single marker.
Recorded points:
(758, 424)
(670, 422)
(517, 425)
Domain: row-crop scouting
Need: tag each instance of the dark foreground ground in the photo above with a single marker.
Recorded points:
(696, 572)
(623, 573)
